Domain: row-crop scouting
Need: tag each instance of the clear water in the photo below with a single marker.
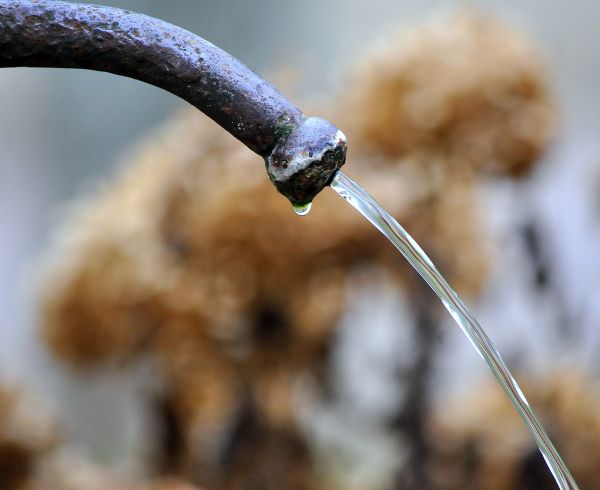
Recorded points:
(387, 225)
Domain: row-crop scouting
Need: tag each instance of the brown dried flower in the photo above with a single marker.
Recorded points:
(26, 434)
(482, 443)
(468, 87)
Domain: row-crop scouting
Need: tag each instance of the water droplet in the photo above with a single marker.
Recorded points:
(302, 209)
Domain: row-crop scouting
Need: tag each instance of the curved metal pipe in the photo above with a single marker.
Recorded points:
(301, 154)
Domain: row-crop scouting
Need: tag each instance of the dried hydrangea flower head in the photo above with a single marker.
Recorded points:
(466, 86)
(481, 444)
(26, 435)
(235, 295)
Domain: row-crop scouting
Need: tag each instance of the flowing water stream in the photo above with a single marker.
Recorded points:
(387, 225)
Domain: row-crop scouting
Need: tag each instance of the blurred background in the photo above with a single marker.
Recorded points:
(392, 396)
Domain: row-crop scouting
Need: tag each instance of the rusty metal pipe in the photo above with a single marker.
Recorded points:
(301, 154)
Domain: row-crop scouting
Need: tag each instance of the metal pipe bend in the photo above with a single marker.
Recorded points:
(55, 34)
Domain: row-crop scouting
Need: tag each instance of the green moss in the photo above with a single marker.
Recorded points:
(283, 129)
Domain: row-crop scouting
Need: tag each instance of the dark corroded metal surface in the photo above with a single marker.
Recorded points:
(304, 162)
(64, 35)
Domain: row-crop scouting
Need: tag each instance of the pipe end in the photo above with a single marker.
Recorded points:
(305, 161)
